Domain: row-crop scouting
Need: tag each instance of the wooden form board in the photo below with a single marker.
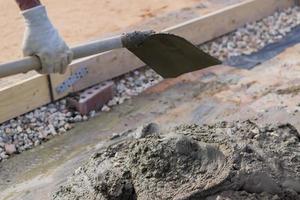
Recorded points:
(226, 20)
(23, 97)
(34, 92)
(111, 64)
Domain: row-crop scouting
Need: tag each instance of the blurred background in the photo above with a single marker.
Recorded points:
(82, 20)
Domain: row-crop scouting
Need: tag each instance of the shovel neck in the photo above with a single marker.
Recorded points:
(136, 38)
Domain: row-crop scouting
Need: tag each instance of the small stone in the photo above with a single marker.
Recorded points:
(121, 100)
(62, 107)
(67, 126)
(92, 113)
(37, 143)
(114, 136)
(10, 149)
(2, 144)
(61, 123)
(52, 110)
(8, 131)
(69, 114)
(43, 134)
(4, 156)
(43, 108)
(52, 130)
(85, 118)
(71, 120)
(62, 130)
(55, 124)
(19, 129)
(63, 102)
(105, 109)
(112, 102)
(78, 118)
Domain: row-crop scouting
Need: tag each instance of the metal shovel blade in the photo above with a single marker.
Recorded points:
(170, 55)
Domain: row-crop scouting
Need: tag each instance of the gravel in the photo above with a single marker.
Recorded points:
(132, 84)
(254, 36)
(31, 129)
(40, 125)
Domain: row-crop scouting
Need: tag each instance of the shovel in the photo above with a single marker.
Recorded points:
(169, 55)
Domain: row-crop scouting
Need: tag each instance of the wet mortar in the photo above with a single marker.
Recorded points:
(238, 160)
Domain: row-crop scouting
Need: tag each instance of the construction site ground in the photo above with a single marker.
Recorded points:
(269, 93)
(266, 94)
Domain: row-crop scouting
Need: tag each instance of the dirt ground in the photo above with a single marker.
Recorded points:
(82, 20)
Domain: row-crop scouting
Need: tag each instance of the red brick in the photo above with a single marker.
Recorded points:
(93, 98)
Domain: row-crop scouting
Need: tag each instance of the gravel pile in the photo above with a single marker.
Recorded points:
(132, 84)
(254, 36)
(238, 160)
(33, 128)
(38, 126)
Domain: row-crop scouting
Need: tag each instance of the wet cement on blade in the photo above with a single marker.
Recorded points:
(239, 160)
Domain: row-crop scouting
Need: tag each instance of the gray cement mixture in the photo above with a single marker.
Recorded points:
(224, 161)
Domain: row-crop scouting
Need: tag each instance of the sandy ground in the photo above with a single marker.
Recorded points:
(81, 20)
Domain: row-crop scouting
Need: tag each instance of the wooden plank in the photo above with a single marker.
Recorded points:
(23, 96)
(11, 80)
(199, 30)
(97, 70)
(109, 64)
(55, 80)
(216, 24)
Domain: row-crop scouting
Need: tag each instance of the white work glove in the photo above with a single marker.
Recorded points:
(43, 40)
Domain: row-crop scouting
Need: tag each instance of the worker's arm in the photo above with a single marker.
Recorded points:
(42, 39)
(27, 4)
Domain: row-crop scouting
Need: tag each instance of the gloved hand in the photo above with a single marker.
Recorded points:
(43, 40)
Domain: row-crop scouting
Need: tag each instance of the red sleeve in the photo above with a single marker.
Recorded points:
(27, 4)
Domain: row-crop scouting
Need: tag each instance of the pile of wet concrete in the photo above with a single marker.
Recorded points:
(239, 160)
